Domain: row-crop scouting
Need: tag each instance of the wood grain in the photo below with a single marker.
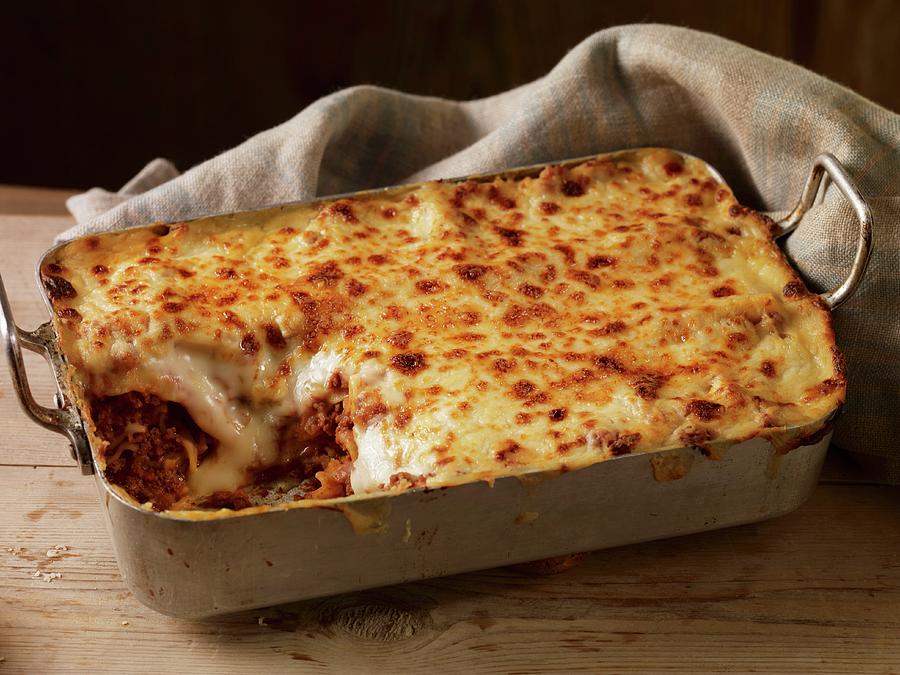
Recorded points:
(818, 590)
(821, 586)
(29, 201)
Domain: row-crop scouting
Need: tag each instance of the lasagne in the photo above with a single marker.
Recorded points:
(437, 334)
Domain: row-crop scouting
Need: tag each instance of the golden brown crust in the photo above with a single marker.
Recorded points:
(480, 329)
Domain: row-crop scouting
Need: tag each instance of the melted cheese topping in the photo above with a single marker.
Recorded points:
(482, 328)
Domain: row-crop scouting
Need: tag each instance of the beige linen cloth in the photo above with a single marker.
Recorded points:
(758, 119)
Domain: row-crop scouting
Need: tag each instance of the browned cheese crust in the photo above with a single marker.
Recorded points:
(441, 333)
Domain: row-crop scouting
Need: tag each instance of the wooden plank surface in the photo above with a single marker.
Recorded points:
(818, 590)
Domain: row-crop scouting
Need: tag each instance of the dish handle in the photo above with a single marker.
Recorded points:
(827, 165)
(65, 418)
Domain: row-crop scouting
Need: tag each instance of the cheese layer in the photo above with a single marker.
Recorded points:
(480, 329)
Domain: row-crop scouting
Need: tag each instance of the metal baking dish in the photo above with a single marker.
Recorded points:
(200, 564)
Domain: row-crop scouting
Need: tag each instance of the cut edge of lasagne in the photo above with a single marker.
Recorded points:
(438, 334)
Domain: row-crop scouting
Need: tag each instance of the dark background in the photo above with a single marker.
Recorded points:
(94, 90)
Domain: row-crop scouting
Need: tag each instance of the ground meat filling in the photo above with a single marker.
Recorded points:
(153, 444)
(150, 443)
(312, 454)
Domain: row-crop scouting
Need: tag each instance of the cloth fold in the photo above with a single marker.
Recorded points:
(758, 119)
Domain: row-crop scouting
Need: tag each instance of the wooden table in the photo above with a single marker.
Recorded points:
(818, 590)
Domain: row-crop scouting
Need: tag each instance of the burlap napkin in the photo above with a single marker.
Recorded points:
(758, 119)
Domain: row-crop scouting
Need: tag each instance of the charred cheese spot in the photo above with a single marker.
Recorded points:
(352, 331)
(59, 288)
(344, 211)
(567, 446)
(356, 288)
(274, 336)
(523, 389)
(549, 208)
(596, 261)
(471, 273)
(557, 414)
(507, 451)
(226, 273)
(693, 200)
(326, 274)
(572, 188)
(393, 312)
(531, 291)
(429, 286)
(734, 340)
(496, 197)
(704, 410)
(517, 315)
(794, 289)
(647, 385)
(567, 251)
(612, 327)
(249, 344)
(609, 363)
(592, 281)
(722, 291)
(409, 363)
(400, 339)
(510, 236)
(402, 418)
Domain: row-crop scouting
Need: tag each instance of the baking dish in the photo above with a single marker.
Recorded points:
(245, 559)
